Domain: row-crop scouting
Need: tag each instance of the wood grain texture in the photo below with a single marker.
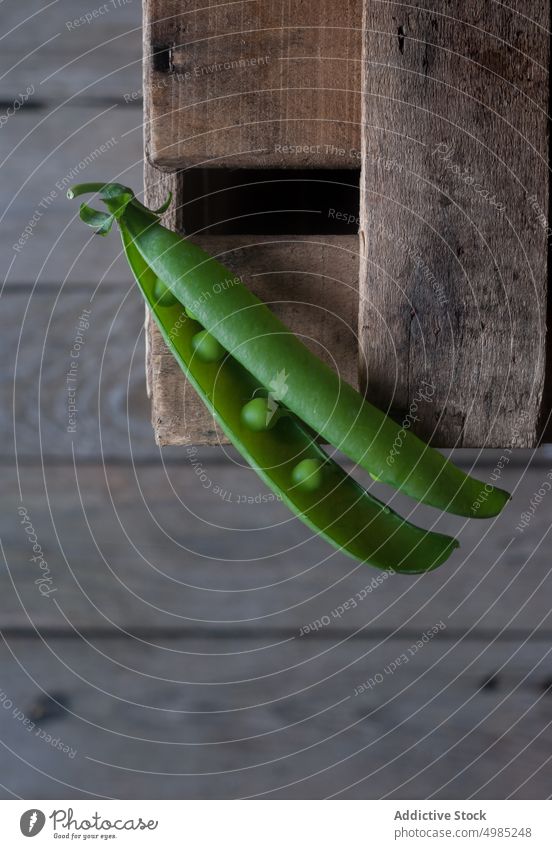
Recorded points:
(47, 151)
(197, 545)
(309, 282)
(72, 50)
(41, 328)
(210, 719)
(235, 84)
(453, 216)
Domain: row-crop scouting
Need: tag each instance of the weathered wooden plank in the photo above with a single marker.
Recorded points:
(45, 152)
(71, 49)
(201, 545)
(310, 282)
(65, 340)
(200, 718)
(253, 84)
(455, 199)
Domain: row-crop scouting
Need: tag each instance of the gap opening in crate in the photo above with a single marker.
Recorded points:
(271, 202)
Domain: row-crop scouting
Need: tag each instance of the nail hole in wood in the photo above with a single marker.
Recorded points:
(161, 58)
(401, 39)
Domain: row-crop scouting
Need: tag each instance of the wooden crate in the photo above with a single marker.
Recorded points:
(449, 283)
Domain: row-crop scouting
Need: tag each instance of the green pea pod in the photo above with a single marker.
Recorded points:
(266, 347)
(285, 456)
(237, 322)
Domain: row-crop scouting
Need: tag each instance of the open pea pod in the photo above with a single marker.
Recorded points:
(234, 355)
(264, 346)
(258, 340)
(286, 457)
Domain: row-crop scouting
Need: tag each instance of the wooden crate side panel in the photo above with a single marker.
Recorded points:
(454, 216)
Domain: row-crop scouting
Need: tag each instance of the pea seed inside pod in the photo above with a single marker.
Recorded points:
(163, 295)
(308, 475)
(207, 348)
(190, 314)
(260, 414)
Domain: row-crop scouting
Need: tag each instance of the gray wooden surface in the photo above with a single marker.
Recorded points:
(197, 644)
(158, 723)
(147, 546)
